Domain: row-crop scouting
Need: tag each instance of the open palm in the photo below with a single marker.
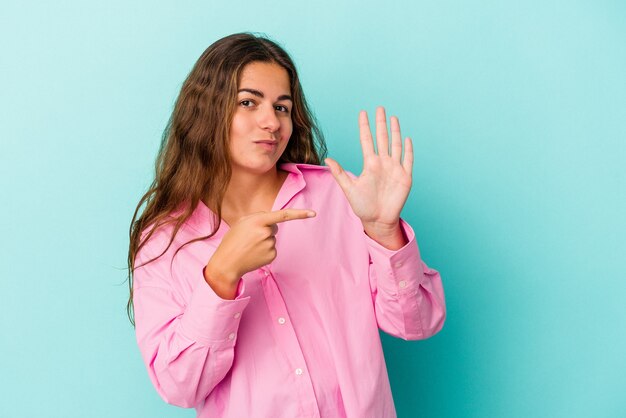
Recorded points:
(378, 195)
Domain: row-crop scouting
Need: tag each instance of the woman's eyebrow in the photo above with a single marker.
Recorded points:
(261, 95)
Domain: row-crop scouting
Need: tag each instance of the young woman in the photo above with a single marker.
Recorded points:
(260, 278)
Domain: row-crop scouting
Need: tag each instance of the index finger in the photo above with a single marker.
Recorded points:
(367, 143)
(271, 218)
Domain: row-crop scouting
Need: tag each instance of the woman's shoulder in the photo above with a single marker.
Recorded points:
(162, 254)
(164, 238)
(155, 241)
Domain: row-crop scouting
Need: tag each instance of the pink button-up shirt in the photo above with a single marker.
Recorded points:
(301, 337)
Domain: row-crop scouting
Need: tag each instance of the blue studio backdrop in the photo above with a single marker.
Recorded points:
(517, 111)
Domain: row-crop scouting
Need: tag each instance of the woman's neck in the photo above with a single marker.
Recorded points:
(250, 192)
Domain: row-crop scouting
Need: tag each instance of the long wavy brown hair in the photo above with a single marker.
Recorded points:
(193, 163)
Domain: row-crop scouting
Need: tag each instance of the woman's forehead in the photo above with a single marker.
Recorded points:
(265, 76)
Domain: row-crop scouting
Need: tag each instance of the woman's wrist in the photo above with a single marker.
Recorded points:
(389, 236)
(224, 285)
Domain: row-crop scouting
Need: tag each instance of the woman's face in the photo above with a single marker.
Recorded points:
(261, 125)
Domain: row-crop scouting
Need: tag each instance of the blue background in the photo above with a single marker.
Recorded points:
(517, 111)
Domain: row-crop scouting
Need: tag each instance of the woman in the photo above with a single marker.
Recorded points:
(260, 277)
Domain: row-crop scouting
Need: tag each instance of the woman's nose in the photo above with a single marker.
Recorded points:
(268, 119)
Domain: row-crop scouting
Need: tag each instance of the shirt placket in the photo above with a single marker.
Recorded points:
(300, 379)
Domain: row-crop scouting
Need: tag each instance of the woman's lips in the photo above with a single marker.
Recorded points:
(267, 145)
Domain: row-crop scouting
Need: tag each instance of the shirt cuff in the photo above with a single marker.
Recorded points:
(212, 320)
(397, 271)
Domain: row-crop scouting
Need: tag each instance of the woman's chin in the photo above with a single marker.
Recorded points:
(258, 168)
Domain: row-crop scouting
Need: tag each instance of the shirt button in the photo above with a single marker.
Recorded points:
(237, 315)
(266, 273)
(402, 284)
(231, 336)
(398, 264)
(298, 371)
(281, 320)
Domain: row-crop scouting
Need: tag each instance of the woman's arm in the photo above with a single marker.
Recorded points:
(408, 296)
(187, 345)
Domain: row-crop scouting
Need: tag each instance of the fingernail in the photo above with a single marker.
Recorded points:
(310, 214)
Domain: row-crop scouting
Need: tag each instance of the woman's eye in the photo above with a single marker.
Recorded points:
(282, 108)
(246, 103)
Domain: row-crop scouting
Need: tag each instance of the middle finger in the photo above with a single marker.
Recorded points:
(382, 138)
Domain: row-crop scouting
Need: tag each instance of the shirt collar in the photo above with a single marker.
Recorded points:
(202, 218)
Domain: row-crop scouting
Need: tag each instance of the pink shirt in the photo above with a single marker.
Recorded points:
(301, 337)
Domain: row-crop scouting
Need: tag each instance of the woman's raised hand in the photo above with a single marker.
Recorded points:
(249, 244)
(378, 195)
